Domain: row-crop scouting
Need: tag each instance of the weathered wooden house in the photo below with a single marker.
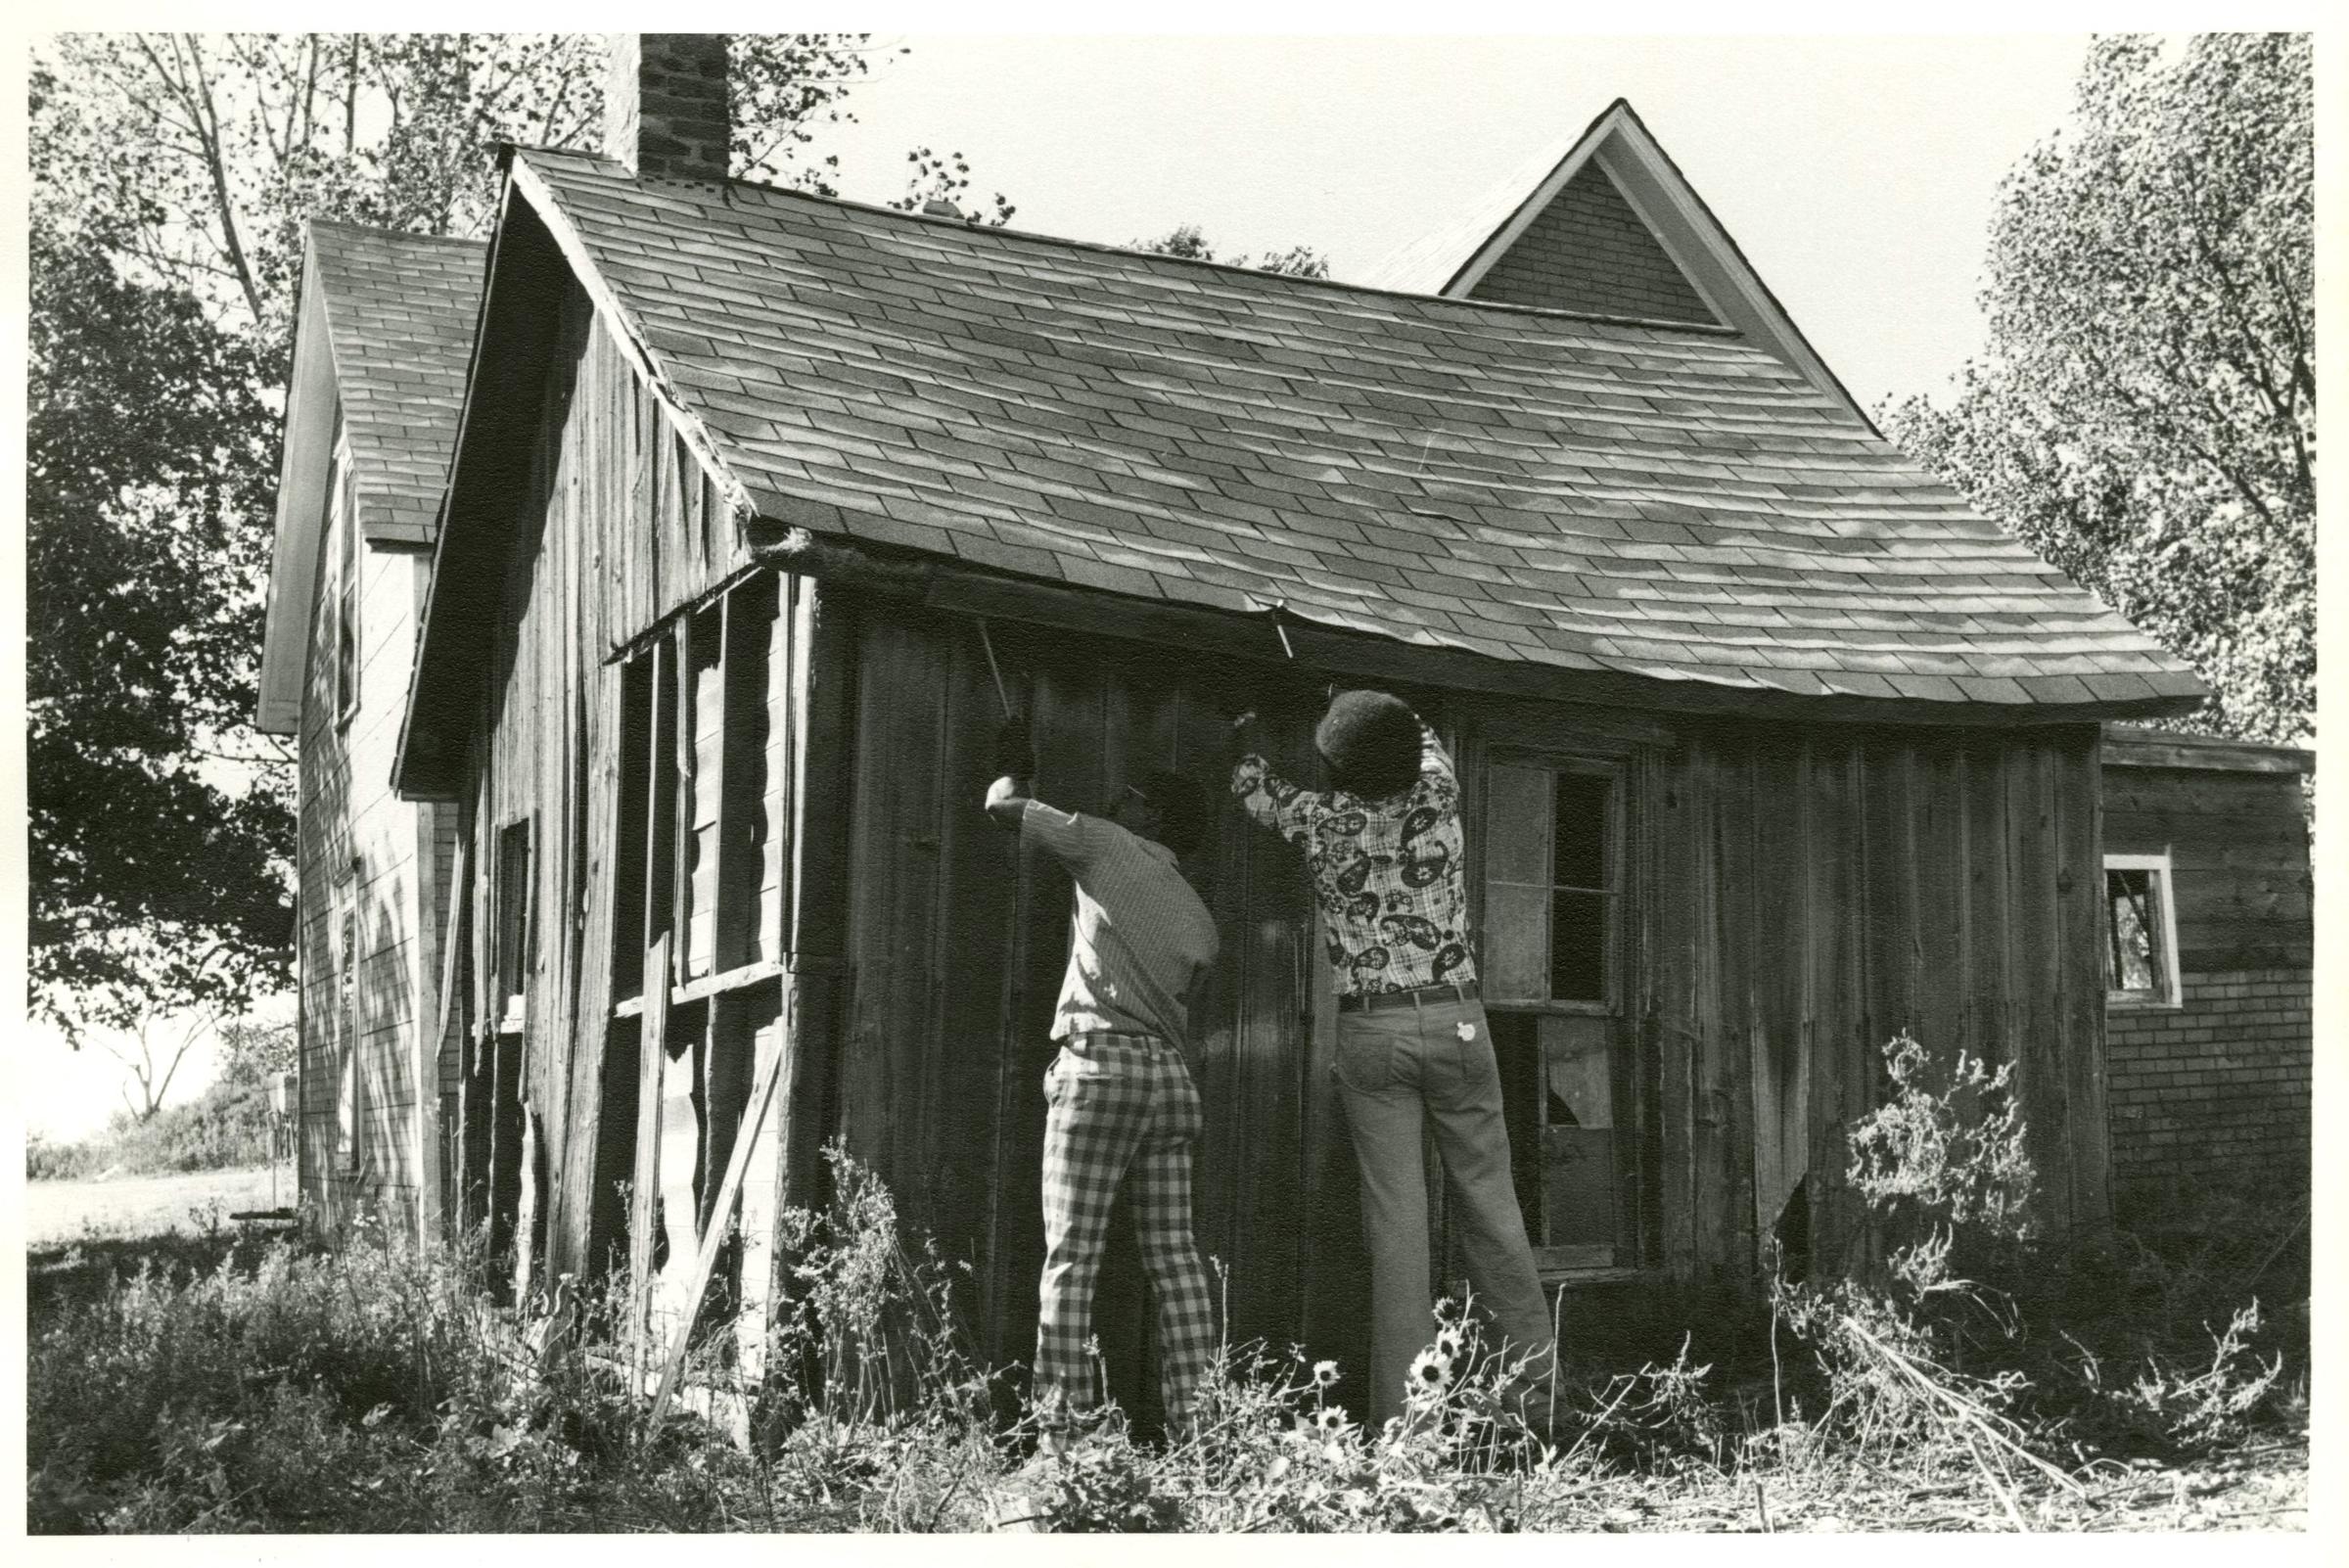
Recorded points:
(1773, 747)
(383, 337)
(2210, 954)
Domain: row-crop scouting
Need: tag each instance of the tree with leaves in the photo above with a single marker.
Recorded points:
(1186, 240)
(2145, 412)
(171, 178)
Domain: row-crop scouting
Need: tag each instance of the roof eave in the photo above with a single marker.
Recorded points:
(306, 459)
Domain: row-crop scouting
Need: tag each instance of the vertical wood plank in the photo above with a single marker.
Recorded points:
(644, 1209)
(2079, 880)
(1837, 913)
(1785, 934)
(978, 887)
(1682, 1010)
(821, 881)
(2034, 964)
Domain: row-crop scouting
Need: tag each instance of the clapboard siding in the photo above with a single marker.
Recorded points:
(352, 827)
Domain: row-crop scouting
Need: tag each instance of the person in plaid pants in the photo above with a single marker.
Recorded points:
(1122, 1106)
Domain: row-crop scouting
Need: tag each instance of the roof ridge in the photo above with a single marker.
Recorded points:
(964, 225)
(378, 231)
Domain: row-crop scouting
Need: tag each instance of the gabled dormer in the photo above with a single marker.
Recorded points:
(1611, 228)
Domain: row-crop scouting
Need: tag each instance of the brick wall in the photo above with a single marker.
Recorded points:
(664, 104)
(2213, 1093)
(1589, 251)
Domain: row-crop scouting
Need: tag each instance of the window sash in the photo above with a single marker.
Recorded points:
(1523, 892)
(2139, 931)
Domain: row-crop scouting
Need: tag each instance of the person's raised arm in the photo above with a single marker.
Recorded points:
(1072, 839)
(1015, 773)
(1435, 763)
(1268, 799)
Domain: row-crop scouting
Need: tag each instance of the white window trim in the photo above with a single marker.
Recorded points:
(2172, 996)
(350, 577)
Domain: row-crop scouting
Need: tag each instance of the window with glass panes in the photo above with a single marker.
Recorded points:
(2140, 932)
(1550, 958)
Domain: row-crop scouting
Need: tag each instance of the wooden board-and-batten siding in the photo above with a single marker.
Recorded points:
(1797, 894)
(632, 779)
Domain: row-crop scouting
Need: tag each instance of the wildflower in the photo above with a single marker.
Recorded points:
(1325, 1374)
(1331, 1419)
(1466, 1032)
(1431, 1370)
(1451, 1343)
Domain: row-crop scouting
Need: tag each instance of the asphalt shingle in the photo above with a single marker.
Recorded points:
(1572, 490)
(400, 312)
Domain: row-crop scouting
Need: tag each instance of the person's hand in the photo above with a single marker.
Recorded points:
(1015, 753)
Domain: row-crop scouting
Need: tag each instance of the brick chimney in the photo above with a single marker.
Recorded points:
(664, 104)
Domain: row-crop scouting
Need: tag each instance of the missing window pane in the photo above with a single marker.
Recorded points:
(1581, 860)
(1577, 946)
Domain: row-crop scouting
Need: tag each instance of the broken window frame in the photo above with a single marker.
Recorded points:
(2161, 938)
(513, 895)
(1529, 1027)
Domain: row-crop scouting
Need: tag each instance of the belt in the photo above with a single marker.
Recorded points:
(1371, 1001)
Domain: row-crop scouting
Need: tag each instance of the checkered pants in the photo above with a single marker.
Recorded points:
(1122, 1106)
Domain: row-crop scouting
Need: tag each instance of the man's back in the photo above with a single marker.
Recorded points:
(1139, 934)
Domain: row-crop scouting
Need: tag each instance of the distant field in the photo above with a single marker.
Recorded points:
(143, 1206)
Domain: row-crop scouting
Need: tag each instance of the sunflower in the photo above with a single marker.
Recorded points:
(1431, 1371)
(1331, 1419)
(1325, 1374)
(1451, 1343)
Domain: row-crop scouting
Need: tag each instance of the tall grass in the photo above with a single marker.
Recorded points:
(268, 1386)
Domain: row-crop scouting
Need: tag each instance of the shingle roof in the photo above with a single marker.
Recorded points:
(1426, 263)
(1532, 486)
(399, 314)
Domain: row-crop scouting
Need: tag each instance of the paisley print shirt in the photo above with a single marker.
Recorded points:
(1389, 873)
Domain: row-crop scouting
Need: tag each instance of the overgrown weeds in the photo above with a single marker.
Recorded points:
(1987, 1377)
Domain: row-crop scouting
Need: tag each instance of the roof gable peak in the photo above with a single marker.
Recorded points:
(1616, 156)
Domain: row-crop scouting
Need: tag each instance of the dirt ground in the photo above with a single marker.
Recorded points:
(144, 1206)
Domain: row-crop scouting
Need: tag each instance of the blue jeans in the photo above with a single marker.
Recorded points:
(1400, 1070)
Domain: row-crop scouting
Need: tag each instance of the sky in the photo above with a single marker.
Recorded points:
(1858, 175)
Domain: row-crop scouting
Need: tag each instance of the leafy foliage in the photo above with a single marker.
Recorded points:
(172, 175)
(947, 177)
(1187, 241)
(2145, 413)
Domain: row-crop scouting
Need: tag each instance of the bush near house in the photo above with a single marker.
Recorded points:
(228, 1126)
(1986, 1380)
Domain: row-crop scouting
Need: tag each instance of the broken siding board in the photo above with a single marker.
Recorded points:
(633, 758)
(644, 1213)
(700, 757)
(1780, 918)
(750, 620)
